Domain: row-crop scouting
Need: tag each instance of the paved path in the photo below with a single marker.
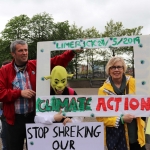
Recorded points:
(87, 91)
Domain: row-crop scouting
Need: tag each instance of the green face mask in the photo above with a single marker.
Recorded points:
(58, 79)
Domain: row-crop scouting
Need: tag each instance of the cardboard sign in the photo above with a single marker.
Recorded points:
(73, 136)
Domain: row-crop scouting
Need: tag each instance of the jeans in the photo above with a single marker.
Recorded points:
(17, 133)
(3, 133)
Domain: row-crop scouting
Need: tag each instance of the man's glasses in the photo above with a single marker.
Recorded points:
(116, 67)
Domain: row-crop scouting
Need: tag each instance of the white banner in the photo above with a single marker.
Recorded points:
(94, 106)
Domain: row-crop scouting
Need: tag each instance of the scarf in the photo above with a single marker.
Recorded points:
(121, 90)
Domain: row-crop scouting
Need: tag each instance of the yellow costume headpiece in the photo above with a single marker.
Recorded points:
(58, 78)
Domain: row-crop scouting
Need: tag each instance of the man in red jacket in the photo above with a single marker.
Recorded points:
(18, 90)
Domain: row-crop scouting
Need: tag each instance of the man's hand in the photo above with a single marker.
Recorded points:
(77, 51)
(67, 120)
(58, 117)
(128, 118)
(28, 93)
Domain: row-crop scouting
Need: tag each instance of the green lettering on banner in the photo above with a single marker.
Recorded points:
(53, 103)
(38, 105)
(129, 40)
(119, 41)
(83, 44)
(42, 105)
(88, 105)
(125, 41)
(93, 43)
(56, 104)
(59, 46)
(62, 104)
(82, 101)
(87, 43)
(137, 39)
(67, 45)
(101, 42)
(77, 43)
(115, 41)
(73, 105)
(105, 44)
(72, 44)
(48, 107)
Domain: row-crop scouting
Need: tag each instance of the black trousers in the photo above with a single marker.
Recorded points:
(136, 146)
(16, 134)
(3, 132)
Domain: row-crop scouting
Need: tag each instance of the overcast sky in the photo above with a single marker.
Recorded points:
(86, 13)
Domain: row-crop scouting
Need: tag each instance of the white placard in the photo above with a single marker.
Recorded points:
(73, 136)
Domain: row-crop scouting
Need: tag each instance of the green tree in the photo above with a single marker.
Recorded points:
(91, 54)
(41, 27)
(117, 29)
(5, 51)
(76, 33)
(64, 31)
(16, 28)
(60, 32)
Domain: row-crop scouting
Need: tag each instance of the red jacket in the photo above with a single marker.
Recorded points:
(7, 74)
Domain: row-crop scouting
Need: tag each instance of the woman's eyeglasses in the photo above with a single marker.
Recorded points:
(116, 67)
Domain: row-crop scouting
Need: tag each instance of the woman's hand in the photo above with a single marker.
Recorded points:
(128, 118)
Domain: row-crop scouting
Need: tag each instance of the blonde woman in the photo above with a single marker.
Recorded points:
(125, 132)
